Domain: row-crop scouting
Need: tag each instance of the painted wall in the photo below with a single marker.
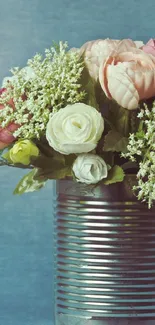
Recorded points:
(26, 27)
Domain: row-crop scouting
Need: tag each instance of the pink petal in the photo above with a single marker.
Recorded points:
(6, 136)
(103, 74)
(151, 42)
(149, 47)
(2, 90)
(125, 45)
(13, 127)
(3, 145)
(121, 87)
(128, 77)
(95, 52)
(149, 85)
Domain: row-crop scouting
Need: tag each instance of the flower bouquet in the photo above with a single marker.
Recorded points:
(87, 116)
(86, 113)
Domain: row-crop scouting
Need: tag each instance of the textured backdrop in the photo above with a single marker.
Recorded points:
(26, 27)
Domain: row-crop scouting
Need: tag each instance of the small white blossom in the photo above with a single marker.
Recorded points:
(141, 148)
(46, 84)
(141, 114)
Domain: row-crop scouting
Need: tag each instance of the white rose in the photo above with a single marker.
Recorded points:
(75, 129)
(89, 168)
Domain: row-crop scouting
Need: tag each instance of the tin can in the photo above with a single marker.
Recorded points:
(104, 256)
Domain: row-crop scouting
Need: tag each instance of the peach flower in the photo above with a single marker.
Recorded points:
(149, 47)
(6, 134)
(96, 51)
(128, 77)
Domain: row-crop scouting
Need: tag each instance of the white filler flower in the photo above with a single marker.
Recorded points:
(89, 168)
(75, 129)
(28, 74)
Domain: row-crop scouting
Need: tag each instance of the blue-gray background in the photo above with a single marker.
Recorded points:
(27, 27)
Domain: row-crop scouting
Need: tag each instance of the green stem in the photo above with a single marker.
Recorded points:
(3, 163)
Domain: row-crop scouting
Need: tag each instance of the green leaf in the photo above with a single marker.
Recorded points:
(130, 165)
(56, 173)
(108, 157)
(117, 116)
(134, 121)
(141, 125)
(1, 151)
(69, 159)
(48, 151)
(89, 86)
(140, 134)
(6, 156)
(116, 174)
(29, 183)
(114, 141)
(3, 163)
(90, 89)
(44, 162)
(56, 166)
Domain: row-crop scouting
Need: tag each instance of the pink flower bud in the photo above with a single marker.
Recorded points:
(6, 134)
(149, 47)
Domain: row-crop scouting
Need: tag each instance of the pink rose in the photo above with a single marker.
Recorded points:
(128, 77)
(6, 136)
(96, 51)
(149, 47)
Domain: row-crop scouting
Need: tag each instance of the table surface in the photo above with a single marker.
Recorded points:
(26, 223)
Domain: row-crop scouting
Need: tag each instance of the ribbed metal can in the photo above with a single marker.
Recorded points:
(104, 256)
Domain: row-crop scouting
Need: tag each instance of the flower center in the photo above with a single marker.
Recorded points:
(76, 124)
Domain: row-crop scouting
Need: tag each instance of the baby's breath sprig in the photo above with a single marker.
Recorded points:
(44, 86)
(141, 148)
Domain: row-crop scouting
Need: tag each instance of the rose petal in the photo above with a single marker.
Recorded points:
(139, 44)
(3, 145)
(103, 76)
(121, 88)
(13, 127)
(2, 90)
(128, 77)
(6, 136)
(149, 47)
(10, 102)
(119, 85)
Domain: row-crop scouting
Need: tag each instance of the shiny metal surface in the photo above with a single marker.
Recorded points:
(104, 256)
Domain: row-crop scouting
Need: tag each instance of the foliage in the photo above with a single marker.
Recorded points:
(116, 139)
(30, 183)
(46, 85)
(141, 149)
(116, 174)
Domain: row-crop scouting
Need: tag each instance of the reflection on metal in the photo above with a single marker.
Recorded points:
(104, 256)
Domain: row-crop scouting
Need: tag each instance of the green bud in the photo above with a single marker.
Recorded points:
(21, 152)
